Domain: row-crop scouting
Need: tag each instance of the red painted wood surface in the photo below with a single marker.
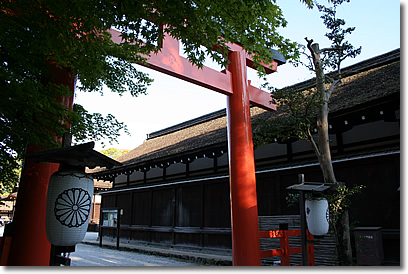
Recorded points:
(169, 61)
(244, 203)
(285, 251)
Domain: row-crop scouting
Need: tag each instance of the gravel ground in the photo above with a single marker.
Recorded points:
(91, 255)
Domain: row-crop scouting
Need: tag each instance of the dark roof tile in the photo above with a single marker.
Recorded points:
(365, 81)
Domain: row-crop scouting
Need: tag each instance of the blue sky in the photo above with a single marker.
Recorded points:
(171, 101)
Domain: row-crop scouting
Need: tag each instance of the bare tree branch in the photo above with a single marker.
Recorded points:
(313, 143)
(333, 86)
(309, 44)
(327, 49)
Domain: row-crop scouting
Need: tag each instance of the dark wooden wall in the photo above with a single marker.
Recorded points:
(197, 213)
(194, 214)
(377, 205)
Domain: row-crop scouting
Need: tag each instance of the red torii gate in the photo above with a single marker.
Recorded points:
(30, 245)
(232, 82)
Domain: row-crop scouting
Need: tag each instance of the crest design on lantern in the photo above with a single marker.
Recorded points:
(72, 207)
(328, 215)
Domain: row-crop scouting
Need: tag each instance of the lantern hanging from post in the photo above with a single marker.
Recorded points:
(70, 190)
(317, 215)
(69, 203)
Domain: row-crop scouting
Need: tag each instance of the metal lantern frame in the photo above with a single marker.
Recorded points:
(303, 187)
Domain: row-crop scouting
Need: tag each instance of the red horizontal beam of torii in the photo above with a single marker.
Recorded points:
(169, 61)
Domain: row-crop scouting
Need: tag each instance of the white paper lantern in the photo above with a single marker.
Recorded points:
(317, 216)
(69, 203)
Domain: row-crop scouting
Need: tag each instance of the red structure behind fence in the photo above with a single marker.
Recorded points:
(285, 251)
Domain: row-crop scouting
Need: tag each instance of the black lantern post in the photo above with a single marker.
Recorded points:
(307, 187)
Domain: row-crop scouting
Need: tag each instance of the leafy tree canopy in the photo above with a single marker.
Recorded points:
(73, 34)
(114, 152)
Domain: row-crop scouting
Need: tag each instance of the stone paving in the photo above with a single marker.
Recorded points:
(186, 255)
(88, 253)
(92, 255)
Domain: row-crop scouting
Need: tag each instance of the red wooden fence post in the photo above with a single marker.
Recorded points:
(284, 246)
(310, 250)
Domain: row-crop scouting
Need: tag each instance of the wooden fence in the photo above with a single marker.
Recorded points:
(324, 251)
(285, 251)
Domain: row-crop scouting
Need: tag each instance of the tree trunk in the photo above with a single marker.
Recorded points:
(324, 154)
(325, 159)
(343, 243)
(342, 226)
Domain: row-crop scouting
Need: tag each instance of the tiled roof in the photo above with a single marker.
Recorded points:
(363, 82)
(369, 80)
(199, 135)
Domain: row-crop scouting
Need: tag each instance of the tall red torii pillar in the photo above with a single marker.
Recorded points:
(29, 245)
(240, 94)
